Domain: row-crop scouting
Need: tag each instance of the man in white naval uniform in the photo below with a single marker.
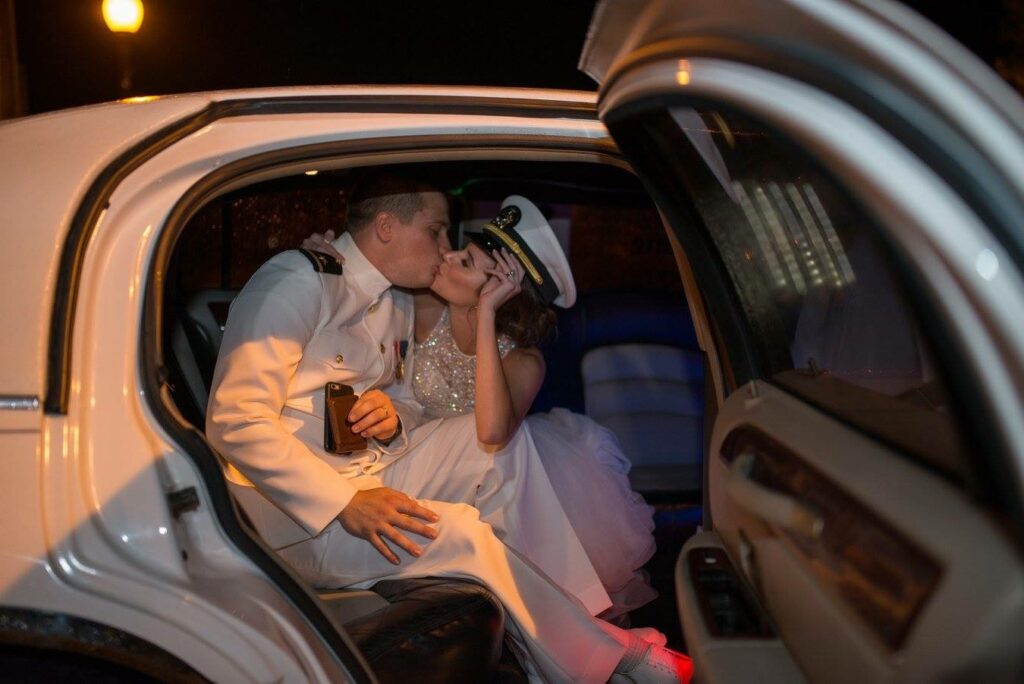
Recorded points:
(295, 327)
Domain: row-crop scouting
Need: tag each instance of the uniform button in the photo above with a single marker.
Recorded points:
(339, 359)
(382, 349)
(373, 307)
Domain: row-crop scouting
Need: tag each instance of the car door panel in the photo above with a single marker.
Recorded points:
(728, 634)
(889, 587)
(71, 157)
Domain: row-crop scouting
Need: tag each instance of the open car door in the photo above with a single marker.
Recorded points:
(846, 189)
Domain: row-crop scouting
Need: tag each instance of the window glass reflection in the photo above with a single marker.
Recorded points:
(820, 294)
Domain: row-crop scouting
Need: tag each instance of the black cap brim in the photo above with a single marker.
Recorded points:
(488, 242)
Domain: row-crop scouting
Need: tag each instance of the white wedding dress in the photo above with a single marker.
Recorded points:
(583, 460)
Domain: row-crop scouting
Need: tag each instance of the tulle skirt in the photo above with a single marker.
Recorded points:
(589, 473)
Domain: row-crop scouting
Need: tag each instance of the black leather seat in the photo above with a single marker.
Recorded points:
(195, 342)
(436, 630)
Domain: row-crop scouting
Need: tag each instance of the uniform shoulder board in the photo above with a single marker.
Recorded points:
(322, 263)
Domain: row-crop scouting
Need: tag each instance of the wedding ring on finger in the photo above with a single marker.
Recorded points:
(512, 275)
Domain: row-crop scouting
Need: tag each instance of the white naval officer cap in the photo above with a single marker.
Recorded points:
(521, 228)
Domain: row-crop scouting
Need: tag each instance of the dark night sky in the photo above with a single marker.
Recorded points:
(190, 45)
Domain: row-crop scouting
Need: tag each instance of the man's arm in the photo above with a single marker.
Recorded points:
(270, 323)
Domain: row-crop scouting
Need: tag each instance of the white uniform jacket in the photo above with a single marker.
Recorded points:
(291, 330)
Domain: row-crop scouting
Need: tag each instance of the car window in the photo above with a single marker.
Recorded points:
(820, 294)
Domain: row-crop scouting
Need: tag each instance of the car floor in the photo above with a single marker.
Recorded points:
(675, 522)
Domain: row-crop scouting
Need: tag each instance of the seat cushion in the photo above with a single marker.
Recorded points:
(652, 397)
(434, 630)
(601, 319)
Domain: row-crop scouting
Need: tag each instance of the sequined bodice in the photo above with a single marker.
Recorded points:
(443, 377)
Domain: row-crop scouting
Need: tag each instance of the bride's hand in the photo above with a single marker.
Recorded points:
(504, 283)
(318, 242)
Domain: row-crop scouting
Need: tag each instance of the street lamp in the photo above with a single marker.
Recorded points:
(123, 17)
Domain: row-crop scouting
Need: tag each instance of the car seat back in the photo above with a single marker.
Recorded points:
(630, 360)
(652, 397)
(195, 342)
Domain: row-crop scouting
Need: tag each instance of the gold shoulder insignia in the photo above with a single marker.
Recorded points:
(322, 263)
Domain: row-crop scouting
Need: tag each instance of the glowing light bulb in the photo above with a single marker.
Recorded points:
(683, 72)
(123, 16)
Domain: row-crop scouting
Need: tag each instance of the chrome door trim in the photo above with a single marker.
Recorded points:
(19, 402)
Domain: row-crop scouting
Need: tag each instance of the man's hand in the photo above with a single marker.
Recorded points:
(318, 242)
(377, 514)
(374, 415)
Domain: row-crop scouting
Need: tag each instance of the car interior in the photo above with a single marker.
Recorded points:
(625, 354)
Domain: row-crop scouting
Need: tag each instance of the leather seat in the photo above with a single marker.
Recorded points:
(195, 342)
(433, 630)
(640, 374)
(651, 397)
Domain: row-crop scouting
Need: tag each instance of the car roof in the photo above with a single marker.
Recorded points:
(47, 165)
(51, 163)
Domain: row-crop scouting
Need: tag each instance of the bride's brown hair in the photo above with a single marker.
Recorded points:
(525, 318)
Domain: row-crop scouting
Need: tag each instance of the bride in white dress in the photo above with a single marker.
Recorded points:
(477, 332)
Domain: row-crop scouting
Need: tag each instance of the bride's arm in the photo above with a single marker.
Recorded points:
(505, 388)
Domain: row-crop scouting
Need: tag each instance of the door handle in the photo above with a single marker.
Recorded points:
(770, 505)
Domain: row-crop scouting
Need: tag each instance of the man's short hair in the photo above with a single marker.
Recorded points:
(397, 195)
